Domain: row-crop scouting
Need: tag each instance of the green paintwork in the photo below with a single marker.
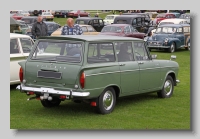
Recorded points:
(132, 78)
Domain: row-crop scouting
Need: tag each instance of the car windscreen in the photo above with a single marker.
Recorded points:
(111, 29)
(26, 44)
(58, 51)
(27, 21)
(164, 30)
(52, 27)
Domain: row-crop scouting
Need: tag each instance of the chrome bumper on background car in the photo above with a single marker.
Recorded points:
(157, 46)
(52, 91)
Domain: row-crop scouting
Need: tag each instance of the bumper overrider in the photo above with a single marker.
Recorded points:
(50, 91)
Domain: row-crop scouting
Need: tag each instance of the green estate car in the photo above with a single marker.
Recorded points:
(94, 69)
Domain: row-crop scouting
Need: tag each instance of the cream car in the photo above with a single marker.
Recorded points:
(170, 21)
(109, 19)
(20, 46)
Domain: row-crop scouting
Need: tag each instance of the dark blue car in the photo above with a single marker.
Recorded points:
(52, 26)
(170, 37)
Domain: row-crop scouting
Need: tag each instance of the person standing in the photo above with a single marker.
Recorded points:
(39, 28)
(71, 28)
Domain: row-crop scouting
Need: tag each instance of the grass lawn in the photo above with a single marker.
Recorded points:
(144, 111)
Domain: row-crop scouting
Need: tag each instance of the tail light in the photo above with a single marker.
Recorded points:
(21, 74)
(82, 80)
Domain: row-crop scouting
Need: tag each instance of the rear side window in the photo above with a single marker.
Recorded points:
(14, 46)
(100, 53)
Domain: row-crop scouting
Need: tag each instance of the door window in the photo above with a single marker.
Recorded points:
(14, 46)
(140, 51)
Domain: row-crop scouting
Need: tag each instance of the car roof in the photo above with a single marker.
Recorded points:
(88, 18)
(112, 15)
(176, 20)
(174, 25)
(15, 35)
(118, 25)
(91, 38)
(49, 22)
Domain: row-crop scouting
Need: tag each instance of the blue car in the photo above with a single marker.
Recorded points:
(52, 26)
(170, 37)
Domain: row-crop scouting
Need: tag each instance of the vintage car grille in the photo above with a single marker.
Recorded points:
(154, 43)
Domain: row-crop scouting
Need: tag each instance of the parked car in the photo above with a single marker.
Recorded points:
(109, 19)
(161, 17)
(16, 16)
(30, 20)
(77, 13)
(152, 15)
(177, 15)
(61, 13)
(52, 26)
(48, 16)
(37, 12)
(170, 21)
(94, 69)
(186, 16)
(20, 46)
(145, 15)
(23, 12)
(124, 30)
(87, 30)
(170, 37)
(96, 22)
(137, 21)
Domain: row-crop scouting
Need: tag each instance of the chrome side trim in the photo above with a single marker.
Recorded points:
(52, 91)
(103, 73)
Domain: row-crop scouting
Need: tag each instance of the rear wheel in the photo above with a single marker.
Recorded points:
(54, 102)
(167, 89)
(106, 101)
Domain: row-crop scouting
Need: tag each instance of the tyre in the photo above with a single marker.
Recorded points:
(106, 101)
(54, 102)
(172, 48)
(167, 89)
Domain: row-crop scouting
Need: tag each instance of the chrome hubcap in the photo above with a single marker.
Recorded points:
(108, 100)
(172, 48)
(168, 87)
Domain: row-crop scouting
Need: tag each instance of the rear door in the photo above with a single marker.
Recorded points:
(180, 35)
(55, 63)
(128, 66)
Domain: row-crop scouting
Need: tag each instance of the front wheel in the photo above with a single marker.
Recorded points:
(167, 89)
(106, 101)
(54, 102)
(172, 48)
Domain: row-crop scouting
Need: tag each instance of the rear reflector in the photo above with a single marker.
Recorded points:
(62, 97)
(94, 104)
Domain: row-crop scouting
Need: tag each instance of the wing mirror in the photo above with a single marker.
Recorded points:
(173, 57)
(153, 56)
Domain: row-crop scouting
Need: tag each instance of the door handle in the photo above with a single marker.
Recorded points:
(140, 62)
(122, 64)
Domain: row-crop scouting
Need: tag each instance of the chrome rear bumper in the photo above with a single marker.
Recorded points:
(52, 91)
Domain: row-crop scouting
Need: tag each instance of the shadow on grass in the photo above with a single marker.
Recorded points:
(70, 108)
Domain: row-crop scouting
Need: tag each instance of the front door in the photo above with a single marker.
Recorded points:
(149, 69)
(128, 66)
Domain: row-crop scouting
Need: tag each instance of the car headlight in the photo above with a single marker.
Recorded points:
(166, 40)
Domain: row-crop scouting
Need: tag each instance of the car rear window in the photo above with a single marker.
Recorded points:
(100, 53)
(58, 51)
(111, 29)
